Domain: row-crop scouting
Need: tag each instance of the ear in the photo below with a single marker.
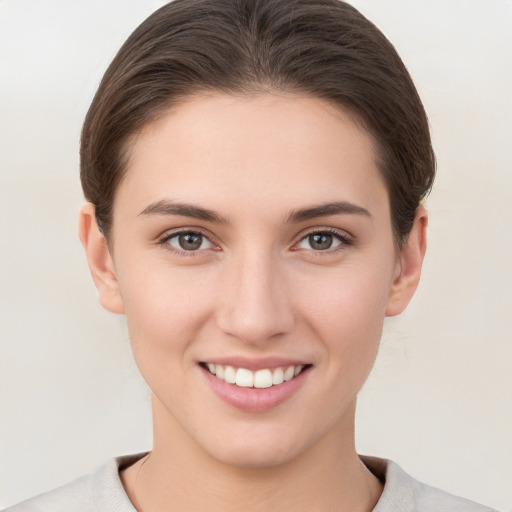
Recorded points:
(100, 260)
(409, 265)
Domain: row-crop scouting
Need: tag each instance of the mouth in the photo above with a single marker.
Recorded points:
(259, 379)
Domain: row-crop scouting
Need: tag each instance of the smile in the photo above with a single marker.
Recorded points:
(255, 386)
(260, 379)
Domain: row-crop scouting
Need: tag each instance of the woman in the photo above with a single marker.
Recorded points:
(254, 173)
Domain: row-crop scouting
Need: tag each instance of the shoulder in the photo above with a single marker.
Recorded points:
(77, 496)
(101, 491)
(403, 492)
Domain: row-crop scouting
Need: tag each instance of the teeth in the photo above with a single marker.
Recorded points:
(289, 373)
(230, 375)
(219, 371)
(244, 378)
(278, 376)
(260, 379)
(263, 379)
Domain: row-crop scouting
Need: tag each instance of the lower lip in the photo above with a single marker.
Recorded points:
(255, 399)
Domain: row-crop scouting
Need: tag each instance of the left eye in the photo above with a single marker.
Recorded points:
(189, 241)
(320, 241)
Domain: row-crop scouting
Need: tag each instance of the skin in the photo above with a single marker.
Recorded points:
(255, 288)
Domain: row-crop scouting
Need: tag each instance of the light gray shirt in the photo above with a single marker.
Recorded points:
(102, 491)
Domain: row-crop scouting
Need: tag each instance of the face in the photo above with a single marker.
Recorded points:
(251, 236)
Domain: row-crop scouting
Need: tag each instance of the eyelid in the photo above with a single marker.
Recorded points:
(344, 238)
(168, 235)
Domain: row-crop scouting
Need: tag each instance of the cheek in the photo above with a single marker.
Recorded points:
(165, 308)
(346, 311)
(348, 298)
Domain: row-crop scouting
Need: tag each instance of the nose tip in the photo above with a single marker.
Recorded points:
(255, 306)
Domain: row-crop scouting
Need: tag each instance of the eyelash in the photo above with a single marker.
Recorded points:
(344, 239)
(164, 241)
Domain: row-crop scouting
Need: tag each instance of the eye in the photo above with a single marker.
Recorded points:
(322, 241)
(189, 241)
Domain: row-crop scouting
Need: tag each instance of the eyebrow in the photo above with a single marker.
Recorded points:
(167, 207)
(324, 210)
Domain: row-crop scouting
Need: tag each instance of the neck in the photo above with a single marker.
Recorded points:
(180, 475)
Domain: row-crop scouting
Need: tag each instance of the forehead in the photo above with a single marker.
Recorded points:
(281, 150)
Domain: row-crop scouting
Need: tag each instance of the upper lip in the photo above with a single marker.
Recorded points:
(254, 364)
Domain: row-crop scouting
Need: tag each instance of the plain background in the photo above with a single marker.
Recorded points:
(439, 400)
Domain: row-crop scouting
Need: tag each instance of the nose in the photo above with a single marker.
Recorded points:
(254, 304)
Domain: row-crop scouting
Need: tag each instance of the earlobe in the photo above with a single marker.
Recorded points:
(411, 260)
(100, 260)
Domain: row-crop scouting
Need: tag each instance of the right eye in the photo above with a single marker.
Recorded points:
(188, 241)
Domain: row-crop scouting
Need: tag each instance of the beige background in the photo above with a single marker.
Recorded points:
(439, 400)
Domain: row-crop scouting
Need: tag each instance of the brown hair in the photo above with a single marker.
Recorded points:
(323, 48)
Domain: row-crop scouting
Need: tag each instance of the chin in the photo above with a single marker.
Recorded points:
(254, 457)
(255, 450)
